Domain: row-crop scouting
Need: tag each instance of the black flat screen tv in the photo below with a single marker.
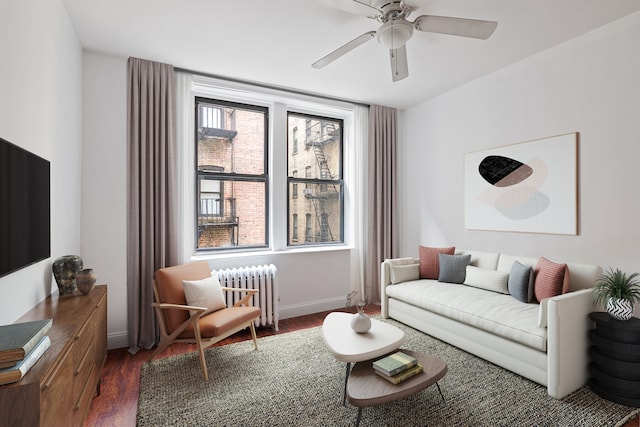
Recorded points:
(25, 208)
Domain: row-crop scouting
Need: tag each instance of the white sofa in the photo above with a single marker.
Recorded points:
(546, 343)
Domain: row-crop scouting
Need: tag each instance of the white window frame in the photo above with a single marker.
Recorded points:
(279, 103)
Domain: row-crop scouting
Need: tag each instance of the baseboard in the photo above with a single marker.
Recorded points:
(295, 310)
(117, 340)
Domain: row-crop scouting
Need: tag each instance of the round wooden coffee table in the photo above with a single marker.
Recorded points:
(366, 388)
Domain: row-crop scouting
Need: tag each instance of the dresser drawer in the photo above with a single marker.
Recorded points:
(82, 370)
(82, 341)
(56, 395)
(82, 404)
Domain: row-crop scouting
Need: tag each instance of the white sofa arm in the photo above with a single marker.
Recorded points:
(568, 327)
(385, 280)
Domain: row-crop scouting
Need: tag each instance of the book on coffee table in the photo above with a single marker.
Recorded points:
(402, 376)
(394, 363)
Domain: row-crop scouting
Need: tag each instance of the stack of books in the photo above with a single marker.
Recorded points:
(21, 345)
(397, 367)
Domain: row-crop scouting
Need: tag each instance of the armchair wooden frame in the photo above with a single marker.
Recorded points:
(195, 314)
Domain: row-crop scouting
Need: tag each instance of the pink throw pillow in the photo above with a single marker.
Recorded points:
(551, 279)
(429, 265)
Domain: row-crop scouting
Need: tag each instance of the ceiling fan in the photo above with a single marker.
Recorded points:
(396, 30)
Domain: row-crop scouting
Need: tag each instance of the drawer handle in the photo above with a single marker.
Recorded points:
(47, 385)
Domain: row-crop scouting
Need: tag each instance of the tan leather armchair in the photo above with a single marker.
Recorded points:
(180, 322)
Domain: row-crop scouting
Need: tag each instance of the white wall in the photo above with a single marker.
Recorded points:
(588, 85)
(309, 281)
(41, 111)
(104, 185)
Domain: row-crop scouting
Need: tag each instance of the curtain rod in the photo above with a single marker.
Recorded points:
(273, 87)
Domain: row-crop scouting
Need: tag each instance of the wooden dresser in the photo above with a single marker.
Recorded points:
(58, 389)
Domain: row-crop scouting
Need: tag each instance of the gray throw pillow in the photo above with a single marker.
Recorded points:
(521, 282)
(453, 268)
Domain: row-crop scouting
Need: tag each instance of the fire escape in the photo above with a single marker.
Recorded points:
(218, 213)
(321, 195)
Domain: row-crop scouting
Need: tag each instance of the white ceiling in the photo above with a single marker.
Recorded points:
(276, 41)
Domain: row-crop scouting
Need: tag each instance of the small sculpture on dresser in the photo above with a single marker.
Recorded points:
(86, 280)
(64, 271)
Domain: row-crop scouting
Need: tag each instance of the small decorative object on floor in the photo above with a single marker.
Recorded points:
(86, 280)
(617, 292)
(360, 322)
(64, 271)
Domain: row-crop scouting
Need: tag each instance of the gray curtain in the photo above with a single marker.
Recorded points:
(382, 227)
(152, 202)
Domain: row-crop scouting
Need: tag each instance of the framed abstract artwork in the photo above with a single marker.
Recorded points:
(526, 187)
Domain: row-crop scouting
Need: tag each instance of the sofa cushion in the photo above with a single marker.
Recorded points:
(453, 267)
(429, 267)
(521, 282)
(493, 312)
(491, 280)
(404, 273)
(205, 293)
(551, 279)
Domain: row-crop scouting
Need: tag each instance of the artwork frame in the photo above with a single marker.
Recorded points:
(529, 187)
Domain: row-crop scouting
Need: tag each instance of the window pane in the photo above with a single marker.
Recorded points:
(230, 138)
(315, 198)
(321, 156)
(320, 205)
(231, 213)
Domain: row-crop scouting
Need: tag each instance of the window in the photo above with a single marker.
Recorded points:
(307, 228)
(231, 175)
(294, 189)
(294, 150)
(211, 196)
(294, 228)
(322, 204)
(210, 116)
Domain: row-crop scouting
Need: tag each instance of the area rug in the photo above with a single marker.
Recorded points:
(292, 380)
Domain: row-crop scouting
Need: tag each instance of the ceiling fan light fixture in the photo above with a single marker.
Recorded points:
(394, 33)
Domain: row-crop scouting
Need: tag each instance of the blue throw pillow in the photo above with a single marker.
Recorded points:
(453, 268)
(521, 282)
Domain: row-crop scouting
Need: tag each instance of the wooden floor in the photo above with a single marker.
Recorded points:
(118, 400)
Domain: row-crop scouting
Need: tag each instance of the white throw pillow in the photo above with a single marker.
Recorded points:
(404, 273)
(204, 293)
(491, 280)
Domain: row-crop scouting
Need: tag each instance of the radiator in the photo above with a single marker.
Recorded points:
(261, 277)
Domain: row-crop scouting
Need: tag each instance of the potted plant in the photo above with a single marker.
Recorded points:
(617, 291)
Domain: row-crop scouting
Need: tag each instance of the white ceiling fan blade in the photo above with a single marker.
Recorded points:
(474, 28)
(399, 66)
(344, 49)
